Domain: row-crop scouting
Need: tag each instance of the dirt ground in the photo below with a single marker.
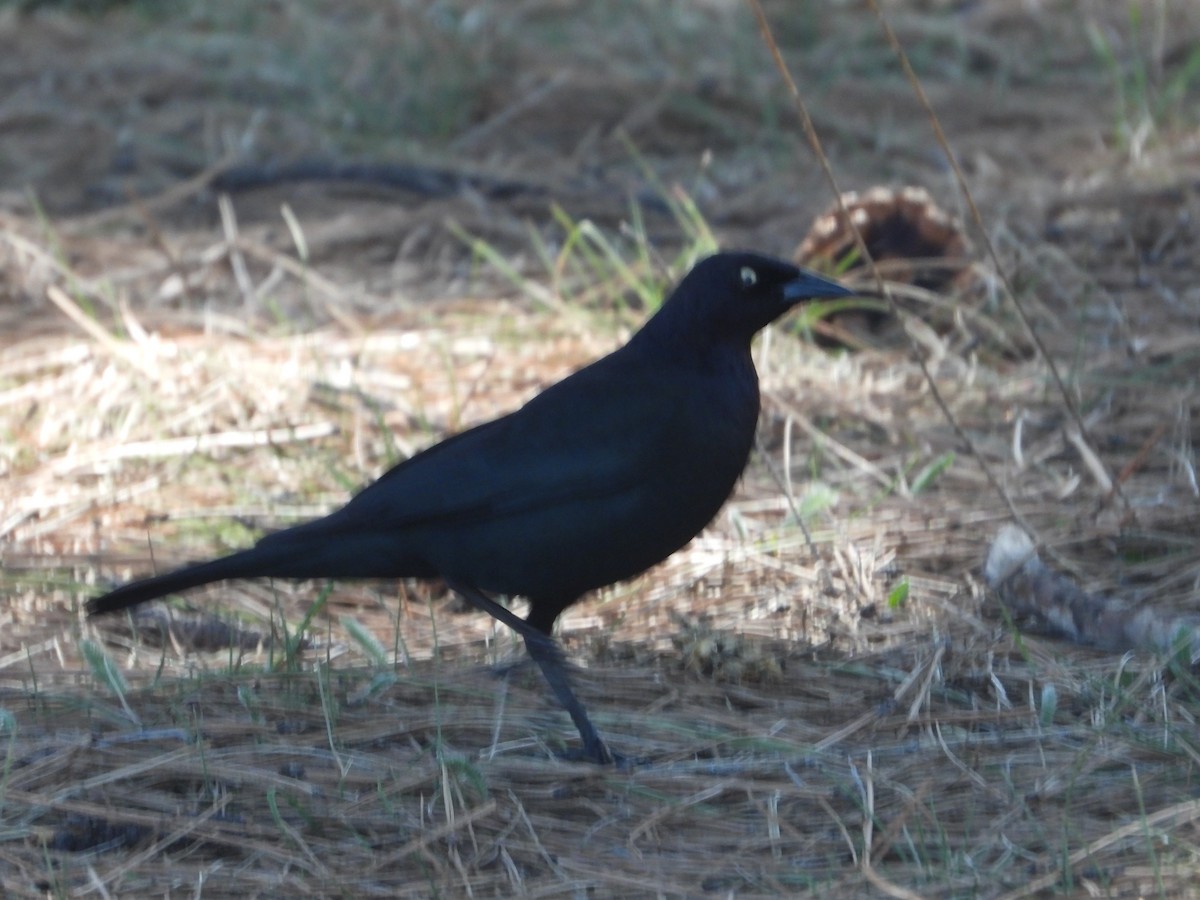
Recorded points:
(252, 254)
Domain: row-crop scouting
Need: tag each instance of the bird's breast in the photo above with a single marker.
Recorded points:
(599, 489)
(715, 433)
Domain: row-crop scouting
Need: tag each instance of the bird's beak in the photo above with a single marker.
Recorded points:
(809, 286)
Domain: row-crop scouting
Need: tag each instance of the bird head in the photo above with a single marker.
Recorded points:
(732, 296)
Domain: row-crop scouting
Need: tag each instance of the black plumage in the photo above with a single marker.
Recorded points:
(596, 479)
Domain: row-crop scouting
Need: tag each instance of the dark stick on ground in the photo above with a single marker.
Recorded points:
(592, 482)
(1029, 588)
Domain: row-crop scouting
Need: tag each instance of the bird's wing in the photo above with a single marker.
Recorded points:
(598, 433)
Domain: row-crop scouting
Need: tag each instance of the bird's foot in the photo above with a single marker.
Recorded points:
(600, 755)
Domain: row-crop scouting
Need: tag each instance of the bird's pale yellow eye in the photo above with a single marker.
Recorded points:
(749, 277)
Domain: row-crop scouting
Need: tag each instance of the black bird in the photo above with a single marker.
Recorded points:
(593, 481)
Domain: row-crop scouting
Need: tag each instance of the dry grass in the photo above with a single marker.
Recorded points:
(844, 716)
(956, 778)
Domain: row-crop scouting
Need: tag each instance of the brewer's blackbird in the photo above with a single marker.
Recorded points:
(593, 481)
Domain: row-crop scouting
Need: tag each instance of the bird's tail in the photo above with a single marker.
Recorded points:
(257, 562)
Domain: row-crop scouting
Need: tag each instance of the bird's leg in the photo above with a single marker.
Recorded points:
(549, 657)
